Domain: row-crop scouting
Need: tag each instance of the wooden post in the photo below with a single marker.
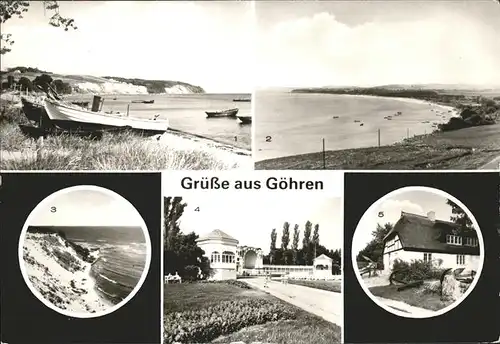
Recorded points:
(378, 134)
(407, 133)
(128, 109)
(324, 155)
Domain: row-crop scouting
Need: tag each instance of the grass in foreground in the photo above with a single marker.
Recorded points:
(414, 297)
(468, 148)
(122, 151)
(292, 325)
(333, 286)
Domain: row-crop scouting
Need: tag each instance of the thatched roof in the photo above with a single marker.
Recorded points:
(419, 233)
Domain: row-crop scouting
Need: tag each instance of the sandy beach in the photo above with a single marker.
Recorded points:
(65, 283)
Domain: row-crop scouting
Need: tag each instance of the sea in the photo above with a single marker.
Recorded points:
(122, 257)
(186, 112)
(296, 123)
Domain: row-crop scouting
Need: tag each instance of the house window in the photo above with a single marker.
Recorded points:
(427, 257)
(471, 242)
(215, 257)
(460, 259)
(228, 257)
(454, 240)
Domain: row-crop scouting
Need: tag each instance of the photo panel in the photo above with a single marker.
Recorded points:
(252, 257)
(362, 85)
(421, 255)
(182, 101)
(82, 257)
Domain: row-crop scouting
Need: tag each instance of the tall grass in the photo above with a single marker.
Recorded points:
(115, 151)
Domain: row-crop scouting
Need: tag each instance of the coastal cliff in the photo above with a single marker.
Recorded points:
(59, 270)
(24, 77)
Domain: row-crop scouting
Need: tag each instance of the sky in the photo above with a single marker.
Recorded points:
(86, 208)
(415, 202)
(369, 43)
(250, 217)
(205, 43)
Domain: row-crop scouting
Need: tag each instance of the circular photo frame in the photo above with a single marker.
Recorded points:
(84, 251)
(417, 252)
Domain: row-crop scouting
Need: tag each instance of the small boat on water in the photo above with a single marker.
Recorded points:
(222, 113)
(245, 119)
(242, 100)
(151, 101)
(69, 117)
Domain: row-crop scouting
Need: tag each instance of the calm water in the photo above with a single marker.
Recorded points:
(289, 124)
(122, 257)
(186, 112)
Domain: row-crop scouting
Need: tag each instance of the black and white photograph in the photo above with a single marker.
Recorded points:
(418, 252)
(81, 257)
(421, 255)
(84, 251)
(252, 267)
(380, 85)
(126, 85)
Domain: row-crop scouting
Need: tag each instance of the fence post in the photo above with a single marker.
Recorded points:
(407, 133)
(324, 155)
(378, 132)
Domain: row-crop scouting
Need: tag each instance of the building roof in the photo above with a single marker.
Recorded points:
(323, 256)
(419, 233)
(217, 234)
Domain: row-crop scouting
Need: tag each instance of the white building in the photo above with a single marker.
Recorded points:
(221, 249)
(417, 237)
(228, 260)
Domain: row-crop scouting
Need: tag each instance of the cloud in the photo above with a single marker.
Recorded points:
(320, 50)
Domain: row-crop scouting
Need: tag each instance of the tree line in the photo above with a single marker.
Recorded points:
(25, 84)
(303, 255)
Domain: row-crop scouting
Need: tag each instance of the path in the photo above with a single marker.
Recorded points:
(492, 165)
(325, 304)
(416, 312)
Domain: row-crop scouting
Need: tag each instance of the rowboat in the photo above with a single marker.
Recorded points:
(151, 101)
(245, 119)
(222, 113)
(69, 117)
(242, 100)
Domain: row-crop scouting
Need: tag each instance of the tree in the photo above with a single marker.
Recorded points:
(272, 251)
(173, 210)
(460, 218)
(295, 243)
(25, 84)
(10, 9)
(306, 244)
(182, 253)
(62, 87)
(315, 239)
(10, 81)
(375, 248)
(285, 237)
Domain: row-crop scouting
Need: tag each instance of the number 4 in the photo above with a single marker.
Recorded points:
(197, 209)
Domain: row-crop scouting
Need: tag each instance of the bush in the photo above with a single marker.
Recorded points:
(236, 283)
(190, 273)
(415, 271)
(202, 326)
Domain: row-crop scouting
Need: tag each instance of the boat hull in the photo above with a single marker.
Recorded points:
(35, 112)
(70, 118)
(226, 113)
(245, 119)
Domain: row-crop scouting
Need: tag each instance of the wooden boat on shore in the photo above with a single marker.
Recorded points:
(245, 119)
(151, 101)
(222, 113)
(70, 117)
(242, 100)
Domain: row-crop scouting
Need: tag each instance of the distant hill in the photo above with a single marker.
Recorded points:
(107, 84)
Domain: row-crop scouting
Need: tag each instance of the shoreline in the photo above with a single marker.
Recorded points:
(445, 107)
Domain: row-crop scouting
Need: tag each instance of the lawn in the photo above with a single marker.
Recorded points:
(468, 148)
(414, 297)
(334, 286)
(245, 315)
